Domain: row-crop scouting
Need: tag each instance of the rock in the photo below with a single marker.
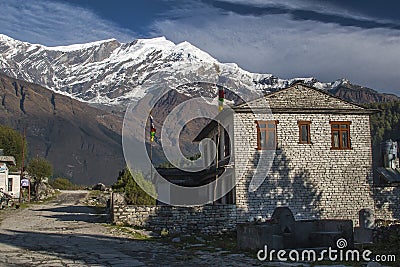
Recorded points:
(373, 264)
(195, 245)
(176, 240)
(100, 187)
(200, 239)
(44, 191)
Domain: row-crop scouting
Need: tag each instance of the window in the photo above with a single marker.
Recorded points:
(340, 134)
(10, 184)
(230, 197)
(217, 142)
(227, 144)
(304, 132)
(266, 135)
(206, 160)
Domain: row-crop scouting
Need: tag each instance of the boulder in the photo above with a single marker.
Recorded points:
(44, 191)
(99, 186)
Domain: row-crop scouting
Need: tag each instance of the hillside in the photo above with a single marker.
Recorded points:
(386, 124)
(83, 143)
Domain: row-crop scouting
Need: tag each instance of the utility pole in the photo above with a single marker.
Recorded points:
(22, 166)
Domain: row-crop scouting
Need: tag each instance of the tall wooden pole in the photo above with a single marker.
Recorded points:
(218, 70)
(22, 164)
(151, 161)
(216, 164)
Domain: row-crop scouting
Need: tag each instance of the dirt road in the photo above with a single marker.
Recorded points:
(65, 232)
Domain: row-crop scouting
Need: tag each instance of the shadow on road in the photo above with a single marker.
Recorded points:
(77, 213)
(83, 247)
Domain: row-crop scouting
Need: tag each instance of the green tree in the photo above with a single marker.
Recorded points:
(11, 142)
(39, 168)
(128, 183)
(385, 124)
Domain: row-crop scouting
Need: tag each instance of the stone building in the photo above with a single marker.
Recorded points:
(316, 150)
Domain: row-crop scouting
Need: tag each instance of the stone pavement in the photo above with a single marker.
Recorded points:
(64, 232)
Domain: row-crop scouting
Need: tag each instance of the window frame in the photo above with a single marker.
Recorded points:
(10, 184)
(227, 143)
(259, 129)
(308, 124)
(340, 131)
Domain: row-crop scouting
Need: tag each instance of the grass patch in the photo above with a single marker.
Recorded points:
(22, 205)
(129, 231)
(95, 193)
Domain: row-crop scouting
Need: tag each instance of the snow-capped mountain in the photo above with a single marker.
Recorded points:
(109, 72)
(112, 73)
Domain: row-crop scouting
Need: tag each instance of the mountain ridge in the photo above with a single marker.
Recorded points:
(113, 74)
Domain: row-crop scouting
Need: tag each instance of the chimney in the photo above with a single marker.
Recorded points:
(1, 152)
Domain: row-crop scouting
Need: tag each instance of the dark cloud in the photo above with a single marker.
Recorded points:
(300, 14)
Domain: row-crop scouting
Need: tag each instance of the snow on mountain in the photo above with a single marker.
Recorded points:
(111, 73)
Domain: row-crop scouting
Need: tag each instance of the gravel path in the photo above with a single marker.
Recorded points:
(65, 232)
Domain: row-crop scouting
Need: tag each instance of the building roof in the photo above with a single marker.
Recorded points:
(190, 179)
(8, 160)
(298, 98)
(392, 176)
(301, 98)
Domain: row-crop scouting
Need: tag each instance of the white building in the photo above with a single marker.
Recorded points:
(9, 181)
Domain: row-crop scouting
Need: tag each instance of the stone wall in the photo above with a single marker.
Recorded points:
(204, 219)
(313, 180)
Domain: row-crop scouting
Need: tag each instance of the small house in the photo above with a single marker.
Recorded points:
(9, 181)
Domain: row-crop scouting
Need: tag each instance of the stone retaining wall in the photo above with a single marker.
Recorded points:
(204, 219)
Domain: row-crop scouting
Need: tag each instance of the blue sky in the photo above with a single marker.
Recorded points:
(358, 40)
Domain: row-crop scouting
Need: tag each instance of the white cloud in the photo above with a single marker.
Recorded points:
(287, 48)
(55, 23)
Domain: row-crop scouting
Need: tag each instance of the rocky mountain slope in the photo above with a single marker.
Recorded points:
(83, 143)
(359, 94)
(112, 73)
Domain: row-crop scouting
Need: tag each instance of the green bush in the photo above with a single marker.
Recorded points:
(127, 183)
(63, 184)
